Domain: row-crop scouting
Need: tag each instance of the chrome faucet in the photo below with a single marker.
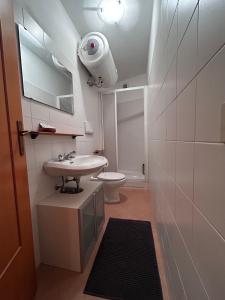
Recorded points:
(68, 156)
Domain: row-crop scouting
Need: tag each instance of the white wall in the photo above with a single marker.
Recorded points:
(63, 39)
(187, 158)
(138, 80)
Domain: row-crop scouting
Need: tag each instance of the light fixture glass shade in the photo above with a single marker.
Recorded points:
(111, 11)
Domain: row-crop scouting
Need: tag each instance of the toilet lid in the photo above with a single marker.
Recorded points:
(111, 176)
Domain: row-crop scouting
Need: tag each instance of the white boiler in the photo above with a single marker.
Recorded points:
(95, 54)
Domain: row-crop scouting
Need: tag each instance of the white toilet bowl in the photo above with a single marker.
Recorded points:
(112, 181)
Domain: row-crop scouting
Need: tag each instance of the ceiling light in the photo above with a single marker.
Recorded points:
(111, 11)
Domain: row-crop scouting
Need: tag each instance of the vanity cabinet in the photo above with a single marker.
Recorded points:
(69, 226)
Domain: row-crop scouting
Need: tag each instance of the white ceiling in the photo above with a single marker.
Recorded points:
(128, 40)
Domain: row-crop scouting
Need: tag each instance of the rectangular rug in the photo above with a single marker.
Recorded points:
(125, 267)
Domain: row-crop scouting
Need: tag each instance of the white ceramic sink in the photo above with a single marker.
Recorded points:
(79, 166)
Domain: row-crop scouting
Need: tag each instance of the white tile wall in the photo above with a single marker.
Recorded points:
(209, 249)
(209, 187)
(187, 54)
(185, 11)
(185, 167)
(183, 217)
(187, 164)
(171, 122)
(211, 38)
(172, 42)
(170, 83)
(170, 155)
(87, 107)
(171, 6)
(186, 114)
(191, 279)
(210, 97)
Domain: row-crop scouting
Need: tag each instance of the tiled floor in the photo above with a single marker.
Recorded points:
(58, 284)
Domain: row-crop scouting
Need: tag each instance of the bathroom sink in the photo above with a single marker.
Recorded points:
(79, 166)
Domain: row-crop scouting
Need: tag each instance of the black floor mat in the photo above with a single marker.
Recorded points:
(125, 267)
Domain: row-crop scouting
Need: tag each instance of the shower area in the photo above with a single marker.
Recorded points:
(125, 133)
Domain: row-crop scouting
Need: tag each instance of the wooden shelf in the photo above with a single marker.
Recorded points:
(35, 134)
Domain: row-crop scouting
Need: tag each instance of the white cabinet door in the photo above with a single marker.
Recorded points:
(92, 217)
(87, 226)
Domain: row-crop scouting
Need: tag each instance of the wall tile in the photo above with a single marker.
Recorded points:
(170, 194)
(209, 251)
(187, 55)
(175, 281)
(26, 107)
(172, 43)
(209, 187)
(211, 29)
(39, 111)
(210, 97)
(171, 7)
(190, 201)
(30, 157)
(185, 11)
(186, 114)
(171, 159)
(189, 275)
(27, 123)
(184, 217)
(42, 154)
(171, 83)
(171, 114)
(185, 167)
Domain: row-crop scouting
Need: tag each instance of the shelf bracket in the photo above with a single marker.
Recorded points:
(34, 134)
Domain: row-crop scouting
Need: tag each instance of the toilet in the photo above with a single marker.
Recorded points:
(112, 181)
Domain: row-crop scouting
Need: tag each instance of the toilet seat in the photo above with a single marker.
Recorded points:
(111, 176)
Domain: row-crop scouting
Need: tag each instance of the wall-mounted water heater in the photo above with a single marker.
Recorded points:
(95, 54)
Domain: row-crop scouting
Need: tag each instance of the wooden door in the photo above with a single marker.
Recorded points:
(17, 270)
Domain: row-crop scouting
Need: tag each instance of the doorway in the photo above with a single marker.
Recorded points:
(125, 133)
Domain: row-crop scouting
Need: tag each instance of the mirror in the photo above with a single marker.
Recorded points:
(44, 78)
